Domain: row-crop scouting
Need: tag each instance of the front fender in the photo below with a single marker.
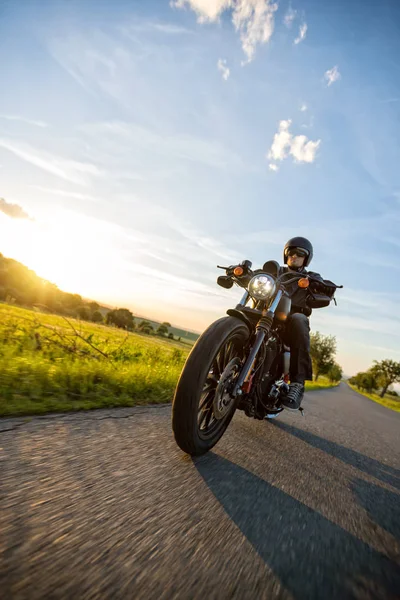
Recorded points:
(234, 312)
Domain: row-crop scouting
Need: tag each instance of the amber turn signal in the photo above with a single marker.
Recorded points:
(238, 271)
(303, 282)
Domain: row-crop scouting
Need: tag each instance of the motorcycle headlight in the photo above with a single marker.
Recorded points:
(261, 287)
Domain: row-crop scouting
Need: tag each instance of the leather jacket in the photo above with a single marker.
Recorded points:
(299, 295)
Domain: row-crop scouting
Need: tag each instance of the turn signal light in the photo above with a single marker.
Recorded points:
(303, 282)
(238, 271)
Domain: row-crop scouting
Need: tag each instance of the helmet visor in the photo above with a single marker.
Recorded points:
(296, 251)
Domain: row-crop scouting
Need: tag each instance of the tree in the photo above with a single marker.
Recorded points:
(93, 306)
(83, 313)
(386, 372)
(145, 327)
(72, 301)
(170, 336)
(323, 350)
(97, 317)
(121, 317)
(163, 328)
(365, 381)
(335, 373)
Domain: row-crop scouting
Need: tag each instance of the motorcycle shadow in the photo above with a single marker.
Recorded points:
(370, 466)
(313, 557)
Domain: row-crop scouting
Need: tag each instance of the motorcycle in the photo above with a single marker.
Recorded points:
(240, 361)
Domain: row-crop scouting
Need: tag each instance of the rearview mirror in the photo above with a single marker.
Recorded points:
(225, 282)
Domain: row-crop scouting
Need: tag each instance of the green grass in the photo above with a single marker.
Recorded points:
(323, 383)
(48, 364)
(388, 401)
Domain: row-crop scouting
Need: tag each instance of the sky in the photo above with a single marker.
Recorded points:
(143, 143)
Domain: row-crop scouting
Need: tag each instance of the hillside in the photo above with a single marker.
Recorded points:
(21, 286)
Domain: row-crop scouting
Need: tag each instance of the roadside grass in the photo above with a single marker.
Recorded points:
(323, 383)
(388, 401)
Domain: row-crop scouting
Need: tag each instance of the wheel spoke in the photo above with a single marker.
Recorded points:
(211, 385)
(208, 418)
(206, 400)
(203, 417)
(228, 353)
(216, 370)
(221, 359)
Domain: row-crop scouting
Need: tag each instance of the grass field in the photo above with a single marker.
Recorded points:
(389, 401)
(48, 363)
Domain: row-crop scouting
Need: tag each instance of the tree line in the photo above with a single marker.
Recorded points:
(378, 378)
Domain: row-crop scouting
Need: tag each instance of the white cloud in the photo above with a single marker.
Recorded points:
(70, 170)
(206, 10)
(24, 120)
(281, 142)
(304, 150)
(285, 144)
(290, 17)
(221, 66)
(302, 33)
(332, 75)
(273, 167)
(303, 107)
(253, 19)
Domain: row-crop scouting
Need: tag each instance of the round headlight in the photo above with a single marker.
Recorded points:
(262, 287)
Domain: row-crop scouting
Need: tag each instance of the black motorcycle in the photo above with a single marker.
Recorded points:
(240, 361)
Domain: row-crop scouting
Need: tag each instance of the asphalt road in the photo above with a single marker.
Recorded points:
(104, 505)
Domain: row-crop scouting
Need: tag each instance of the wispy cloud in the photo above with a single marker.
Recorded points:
(65, 193)
(253, 19)
(15, 211)
(273, 167)
(223, 68)
(159, 27)
(289, 17)
(332, 75)
(24, 120)
(303, 107)
(302, 33)
(285, 144)
(190, 148)
(70, 170)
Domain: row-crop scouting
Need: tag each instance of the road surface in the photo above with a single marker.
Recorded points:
(103, 504)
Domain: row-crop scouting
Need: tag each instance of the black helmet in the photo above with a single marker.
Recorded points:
(299, 242)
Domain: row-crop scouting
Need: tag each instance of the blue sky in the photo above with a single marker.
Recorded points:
(150, 141)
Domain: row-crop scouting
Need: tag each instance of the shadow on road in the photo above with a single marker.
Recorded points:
(373, 467)
(383, 506)
(313, 557)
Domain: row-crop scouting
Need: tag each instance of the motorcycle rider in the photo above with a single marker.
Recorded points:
(297, 255)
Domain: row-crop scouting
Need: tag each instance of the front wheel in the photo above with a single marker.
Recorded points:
(203, 407)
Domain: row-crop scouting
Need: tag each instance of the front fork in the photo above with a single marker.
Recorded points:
(263, 328)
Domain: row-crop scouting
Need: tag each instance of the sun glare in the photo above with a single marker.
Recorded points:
(69, 250)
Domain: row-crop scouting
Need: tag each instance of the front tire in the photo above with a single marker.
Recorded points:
(196, 428)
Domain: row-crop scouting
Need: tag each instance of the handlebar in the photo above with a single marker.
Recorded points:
(249, 273)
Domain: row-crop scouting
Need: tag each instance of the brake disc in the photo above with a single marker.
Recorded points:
(223, 400)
